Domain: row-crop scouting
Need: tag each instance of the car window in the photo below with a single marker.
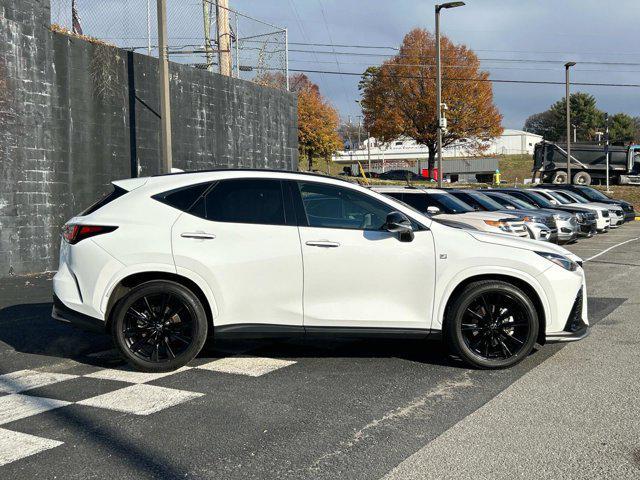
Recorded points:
(255, 201)
(183, 198)
(591, 193)
(329, 206)
(560, 198)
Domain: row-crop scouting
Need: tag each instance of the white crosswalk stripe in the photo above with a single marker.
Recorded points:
(16, 382)
(17, 406)
(140, 399)
(250, 366)
(17, 445)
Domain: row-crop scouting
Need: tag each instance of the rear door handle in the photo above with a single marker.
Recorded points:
(198, 235)
(322, 243)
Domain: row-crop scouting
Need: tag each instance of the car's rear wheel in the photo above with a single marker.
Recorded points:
(159, 326)
(491, 324)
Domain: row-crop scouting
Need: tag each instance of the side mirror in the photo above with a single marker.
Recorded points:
(398, 222)
(433, 210)
(555, 202)
(510, 207)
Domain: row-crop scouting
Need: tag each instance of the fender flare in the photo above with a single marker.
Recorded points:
(487, 271)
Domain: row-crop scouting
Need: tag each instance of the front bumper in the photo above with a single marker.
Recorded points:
(587, 229)
(576, 327)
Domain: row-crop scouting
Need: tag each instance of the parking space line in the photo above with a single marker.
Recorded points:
(140, 399)
(250, 366)
(17, 406)
(17, 445)
(22, 380)
(611, 248)
(127, 374)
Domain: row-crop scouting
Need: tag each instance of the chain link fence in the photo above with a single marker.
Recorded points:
(243, 47)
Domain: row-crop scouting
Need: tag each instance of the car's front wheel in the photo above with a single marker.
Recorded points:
(159, 326)
(491, 324)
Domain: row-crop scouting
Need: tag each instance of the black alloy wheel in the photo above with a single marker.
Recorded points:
(493, 324)
(159, 326)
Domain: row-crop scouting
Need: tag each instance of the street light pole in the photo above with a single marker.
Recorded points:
(567, 97)
(440, 123)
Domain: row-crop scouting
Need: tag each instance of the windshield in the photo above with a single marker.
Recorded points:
(563, 199)
(578, 198)
(540, 200)
(521, 203)
(592, 193)
(487, 202)
(449, 203)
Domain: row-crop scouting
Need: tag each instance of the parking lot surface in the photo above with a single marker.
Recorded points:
(326, 408)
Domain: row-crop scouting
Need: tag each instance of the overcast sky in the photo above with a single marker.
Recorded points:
(560, 30)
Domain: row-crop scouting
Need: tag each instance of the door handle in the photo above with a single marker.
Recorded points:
(322, 243)
(198, 235)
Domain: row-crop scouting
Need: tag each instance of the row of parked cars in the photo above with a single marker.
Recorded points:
(551, 213)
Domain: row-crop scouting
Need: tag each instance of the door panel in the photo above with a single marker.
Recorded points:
(371, 279)
(356, 274)
(254, 269)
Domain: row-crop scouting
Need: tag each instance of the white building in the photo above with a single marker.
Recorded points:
(406, 153)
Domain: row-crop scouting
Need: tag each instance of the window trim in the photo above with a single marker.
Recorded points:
(304, 222)
(283, 196)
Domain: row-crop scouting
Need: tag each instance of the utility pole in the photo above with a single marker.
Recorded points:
(206, 18)
(441, 123)
(567, 96)
(606, 147)
(224, 37)
(165, 102)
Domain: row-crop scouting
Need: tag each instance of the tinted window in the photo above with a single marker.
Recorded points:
(591, 193)
(244, 201)
(116, 193)
(329, 206)
(183, 198)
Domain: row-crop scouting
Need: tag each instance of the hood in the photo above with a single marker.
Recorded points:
(523, 243)
(589, 206)
(529, 213)
(608, 206)
(562, 214)
(499, 215)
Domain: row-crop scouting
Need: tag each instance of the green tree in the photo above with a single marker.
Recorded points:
(584, 115)
(622, 128)
(636, 129)
(552, 123)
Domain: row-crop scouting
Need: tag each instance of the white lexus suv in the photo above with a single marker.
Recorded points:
(164, 262)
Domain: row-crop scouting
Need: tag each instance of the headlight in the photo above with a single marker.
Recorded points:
(560, 260)
(502, 225)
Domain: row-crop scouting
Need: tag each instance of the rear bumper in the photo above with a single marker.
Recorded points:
(62, 313)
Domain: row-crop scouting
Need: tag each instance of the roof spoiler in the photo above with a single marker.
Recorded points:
(129, 184)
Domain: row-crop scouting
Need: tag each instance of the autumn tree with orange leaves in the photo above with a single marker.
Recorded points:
(318, 121)
(399, 97)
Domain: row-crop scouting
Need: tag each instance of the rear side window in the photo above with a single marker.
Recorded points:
(183, 198)
(256, 201)
(116, 193)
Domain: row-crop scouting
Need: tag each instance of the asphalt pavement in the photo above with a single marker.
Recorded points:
(356, 409)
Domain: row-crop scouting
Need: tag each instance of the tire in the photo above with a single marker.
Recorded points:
(491, 341)
(152, 342)
(559, 177)
(582, 178)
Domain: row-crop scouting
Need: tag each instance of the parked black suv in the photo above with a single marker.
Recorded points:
(593, 195)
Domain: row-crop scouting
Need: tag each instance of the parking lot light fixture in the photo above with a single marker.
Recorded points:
(439, 85)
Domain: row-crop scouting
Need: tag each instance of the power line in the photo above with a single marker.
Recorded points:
(493, 80)
(382, 47)
(513, 60)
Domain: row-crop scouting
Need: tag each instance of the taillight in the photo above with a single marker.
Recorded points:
(73, 233)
